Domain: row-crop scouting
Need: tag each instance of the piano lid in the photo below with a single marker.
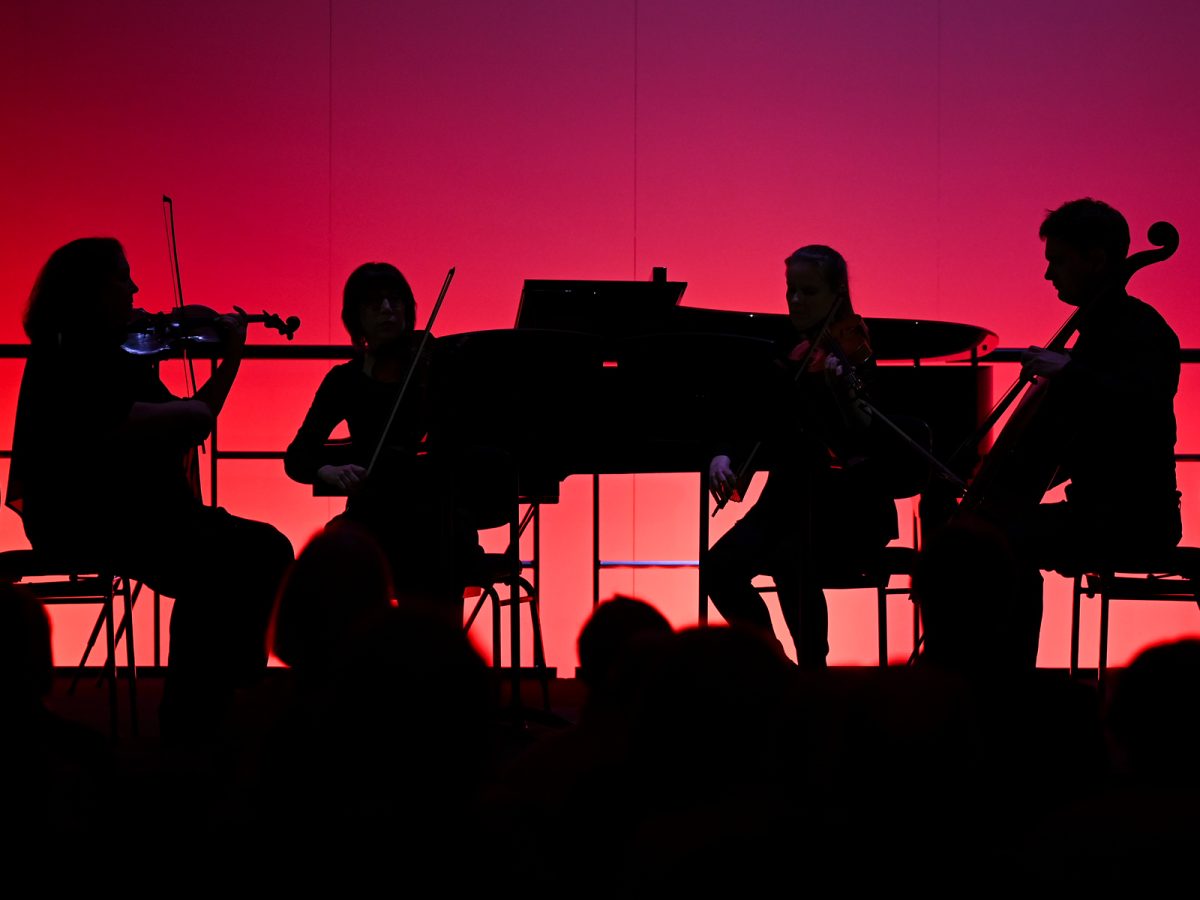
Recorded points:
(615, 309)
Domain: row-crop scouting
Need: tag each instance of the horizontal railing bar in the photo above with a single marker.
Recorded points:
(342, 351)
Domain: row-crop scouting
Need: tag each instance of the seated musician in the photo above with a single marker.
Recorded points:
(1109, 417)
(405, 504)
(825, 508)
(98, 474)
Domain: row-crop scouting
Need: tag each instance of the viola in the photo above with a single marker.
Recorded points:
(186, 327)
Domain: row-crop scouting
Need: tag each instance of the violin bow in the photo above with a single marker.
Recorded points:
(191, 460)
(177, 283)
(411, 370)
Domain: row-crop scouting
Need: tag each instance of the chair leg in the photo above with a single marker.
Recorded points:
(157, 630)
(101, 622)
(881, 603)
(1075, 594)
(497, 636)
(539, 649)
(130, 594)
(916, 637)
(1102, 665)
(110, 665)
(483, 598)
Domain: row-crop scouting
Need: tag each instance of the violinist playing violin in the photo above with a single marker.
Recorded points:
(826, 507)
(98, 474)
(405, 504)
(1108, 421)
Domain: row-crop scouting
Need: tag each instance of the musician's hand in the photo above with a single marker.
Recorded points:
(722, 480)
(1038, 361)
(836, 375)
(232, 328)
(843, 384)
(345, 478)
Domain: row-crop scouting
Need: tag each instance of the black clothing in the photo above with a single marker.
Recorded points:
(1112, 433)
(87, 485)
(76, 471)
(408, 504)
(347, 394)
(826, 510)
(1115, 402)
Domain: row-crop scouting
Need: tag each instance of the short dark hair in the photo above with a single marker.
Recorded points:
(832, 266)
(65, 298)
(1089, 224)
(610, 629)
(366, 279)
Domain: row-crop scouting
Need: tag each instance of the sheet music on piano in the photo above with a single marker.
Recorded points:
(607, 308)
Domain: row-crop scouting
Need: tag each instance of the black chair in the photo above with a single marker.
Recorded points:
(892, 562)
(57, 581)
(1174, 577)
(489, 498)
(905, 475)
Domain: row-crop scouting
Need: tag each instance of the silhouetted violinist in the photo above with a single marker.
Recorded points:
(826, 507)
(404, 501)
(96, 474)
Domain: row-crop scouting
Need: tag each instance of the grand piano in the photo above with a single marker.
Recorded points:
(619, 377)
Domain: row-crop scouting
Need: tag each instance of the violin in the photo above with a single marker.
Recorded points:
(846, 339)
(185, 327)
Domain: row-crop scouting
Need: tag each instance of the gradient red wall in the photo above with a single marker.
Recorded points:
(548, 140)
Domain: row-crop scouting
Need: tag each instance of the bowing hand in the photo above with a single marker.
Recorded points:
(722, 480)
(348, 479)
(1039, 361)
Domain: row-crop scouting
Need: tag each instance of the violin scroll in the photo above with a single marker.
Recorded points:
(287, 327)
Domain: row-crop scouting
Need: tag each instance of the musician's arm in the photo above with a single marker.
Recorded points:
(215, 391)
(155, 415)
(1147, 367)
(177, 422)
(305, 457)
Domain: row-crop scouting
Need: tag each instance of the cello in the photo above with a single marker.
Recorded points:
(1018, 471)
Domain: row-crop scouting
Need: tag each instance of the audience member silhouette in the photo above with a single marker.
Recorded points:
(608, 643)
(391, 754)
(558, 779)
(1154, 718)
(59, 775)
(339, 577)
(706, 799)
(1138, 828)
(1031, 739)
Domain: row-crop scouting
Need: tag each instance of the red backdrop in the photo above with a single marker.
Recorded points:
(548, 140)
